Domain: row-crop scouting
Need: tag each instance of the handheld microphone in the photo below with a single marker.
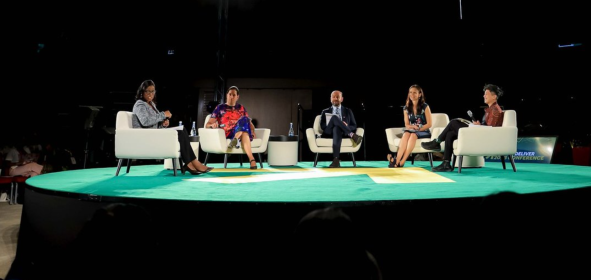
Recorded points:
(471, 116)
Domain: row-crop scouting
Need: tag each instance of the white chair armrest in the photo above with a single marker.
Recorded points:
(146, 143)
(391, 137)
(359, 131)
(311, 136)
(263, 134)
(482, 141)
(212, 140)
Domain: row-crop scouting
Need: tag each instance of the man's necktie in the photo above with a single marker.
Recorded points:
(339, 113)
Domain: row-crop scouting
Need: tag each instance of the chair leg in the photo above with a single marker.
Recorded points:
(353, 157)
(512, 163)
(15, 194)
(119, 166)
(174, 166)
(453, 162)
(316, 160)
(412, 159)
(461, 159)
(503, 162)
(430, 155)
(240, 157)
(206, 158)
(225, 160)
(128, 165)
(11, 199)
(260, 160)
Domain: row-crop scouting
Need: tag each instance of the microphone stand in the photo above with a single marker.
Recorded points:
(364, 134)
(300, 129)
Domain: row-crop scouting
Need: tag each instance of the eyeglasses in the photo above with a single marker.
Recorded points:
(150, 91)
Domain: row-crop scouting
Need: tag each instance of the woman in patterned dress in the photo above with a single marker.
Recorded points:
(234, 119)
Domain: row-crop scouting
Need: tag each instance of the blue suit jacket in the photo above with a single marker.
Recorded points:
(346, 113)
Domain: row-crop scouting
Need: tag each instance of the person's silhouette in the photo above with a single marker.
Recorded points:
(328, 246)
(118, 242)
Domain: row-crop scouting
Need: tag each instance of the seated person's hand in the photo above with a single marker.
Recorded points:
(167, 114)
(213, 125)
(254, 135)
(166, 123)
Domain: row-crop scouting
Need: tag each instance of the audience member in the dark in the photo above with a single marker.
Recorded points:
(57, 158)
(327, 245)
(21, 158)
(118, 242)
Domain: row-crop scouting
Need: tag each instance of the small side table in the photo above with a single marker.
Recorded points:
(194, 144)
(283, 150)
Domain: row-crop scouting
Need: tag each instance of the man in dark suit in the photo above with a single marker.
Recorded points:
(341, 124)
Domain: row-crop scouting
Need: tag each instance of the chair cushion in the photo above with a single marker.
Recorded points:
(327, 142)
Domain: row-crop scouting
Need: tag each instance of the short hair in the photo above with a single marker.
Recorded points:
(494, 89)
(233, 87)
(336, 90)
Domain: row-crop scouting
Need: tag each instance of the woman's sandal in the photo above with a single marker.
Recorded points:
(255, 164)
(391, 161)
(233, 143)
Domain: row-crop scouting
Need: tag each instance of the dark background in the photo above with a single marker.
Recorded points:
(98, 53)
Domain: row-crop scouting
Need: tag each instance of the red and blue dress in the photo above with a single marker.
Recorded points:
(232, 119)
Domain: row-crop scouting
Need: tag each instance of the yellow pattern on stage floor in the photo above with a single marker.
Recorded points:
(378, 175)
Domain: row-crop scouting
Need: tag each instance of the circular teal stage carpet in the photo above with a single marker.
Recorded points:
(369, 181)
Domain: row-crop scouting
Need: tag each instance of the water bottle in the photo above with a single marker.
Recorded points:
(290, 129)
(180, 123)
(193, 131)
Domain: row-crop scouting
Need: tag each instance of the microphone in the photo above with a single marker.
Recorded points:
(471, 116)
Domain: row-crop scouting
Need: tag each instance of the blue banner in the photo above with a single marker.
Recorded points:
(531, 150)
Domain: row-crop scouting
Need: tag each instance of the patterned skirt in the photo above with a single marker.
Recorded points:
(243, 124)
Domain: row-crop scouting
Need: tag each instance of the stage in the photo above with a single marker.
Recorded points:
(370, 181)
(237, 223)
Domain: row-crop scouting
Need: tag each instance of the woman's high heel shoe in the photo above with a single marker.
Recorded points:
(187, 168)
(206, 169)
(255, 164)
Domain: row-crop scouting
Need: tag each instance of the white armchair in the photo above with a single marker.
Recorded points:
(214, 141)
(140, 143)
(320, 145)
(488, 141)
(440, 120)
